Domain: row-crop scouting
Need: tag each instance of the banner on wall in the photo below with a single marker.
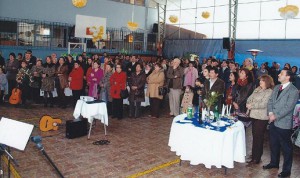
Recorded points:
(90, 27)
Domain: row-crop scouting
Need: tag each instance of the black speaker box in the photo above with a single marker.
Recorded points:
(226, 43)
(151, 38)
(76, 128)
(155, 28)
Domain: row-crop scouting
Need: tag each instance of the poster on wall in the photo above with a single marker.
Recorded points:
(90, 27)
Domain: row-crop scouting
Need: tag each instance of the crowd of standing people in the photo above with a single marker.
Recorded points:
(253, 92)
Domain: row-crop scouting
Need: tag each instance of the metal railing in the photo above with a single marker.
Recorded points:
(22, 32)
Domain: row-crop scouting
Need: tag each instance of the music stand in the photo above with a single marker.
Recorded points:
(13, 134)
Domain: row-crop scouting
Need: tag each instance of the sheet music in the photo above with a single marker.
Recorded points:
(14, 133)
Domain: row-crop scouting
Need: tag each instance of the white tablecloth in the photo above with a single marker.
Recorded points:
(91, 111)
(208, 147)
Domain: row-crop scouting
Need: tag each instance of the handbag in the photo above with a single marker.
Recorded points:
(296, 137)
(243, 116)
(124, 94)
(297, 142)
(162, 90)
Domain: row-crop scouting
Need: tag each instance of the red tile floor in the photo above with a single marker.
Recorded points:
(136, 145)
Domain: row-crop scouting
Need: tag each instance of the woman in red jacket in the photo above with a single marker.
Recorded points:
(76, 81)
(117, 83)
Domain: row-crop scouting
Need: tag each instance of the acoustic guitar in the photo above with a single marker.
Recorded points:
(47, 123)
(15, 97)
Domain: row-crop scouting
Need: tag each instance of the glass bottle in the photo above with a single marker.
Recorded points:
(216, 113)
(200, 114)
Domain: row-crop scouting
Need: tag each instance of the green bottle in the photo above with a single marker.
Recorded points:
(216, 113)
(190, 112)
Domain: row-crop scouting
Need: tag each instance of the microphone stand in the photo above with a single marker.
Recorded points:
(51, 162)
(10, 157)
(41, 148)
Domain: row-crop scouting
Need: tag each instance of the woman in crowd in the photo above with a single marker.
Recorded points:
(257, 103)
(197, 98)
(76, 82)
(62, 82)
(3, 84)
(287, 66)
(70, 63)
(190, 75)
(137, 95)
(295, 70)
(105, 87)
(87, 73)
(36, 80)
(262, 70)
(205, 73)
(48, 81)
(155, 79)
(231, 89)
(117, 83)
(95, 57)
(94, 80)
(148, 69)
(244, 89)
(11, 69)
(23, 79)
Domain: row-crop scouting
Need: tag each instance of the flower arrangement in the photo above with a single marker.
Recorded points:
(79, 3)
(211, 99)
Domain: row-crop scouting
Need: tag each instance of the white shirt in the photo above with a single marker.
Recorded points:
(285, 85)
(211, 82)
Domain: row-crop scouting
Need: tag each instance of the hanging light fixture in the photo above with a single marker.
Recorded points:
(289, 11)
(131, 24)
(79, 3)
(205, 14)
(173, 19)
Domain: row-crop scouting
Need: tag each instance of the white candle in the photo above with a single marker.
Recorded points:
(227, 113)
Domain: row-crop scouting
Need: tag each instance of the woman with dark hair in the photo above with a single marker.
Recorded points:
(23, 79)
(76, 81)
(61, 81)
(36, 80)
(94, 80)
(70, 63)
(295, 70)
(136, 83)
(105, 87)
(155, 79)
(287, 66)
(148, 69)
(205, 73)
(190, 75)
(197, 97)
(231, 89)
(117, 83)
(11, 69)
(48, 81)
(257, 103)
(244, 89)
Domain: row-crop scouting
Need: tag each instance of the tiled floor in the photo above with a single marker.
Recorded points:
(136, 145)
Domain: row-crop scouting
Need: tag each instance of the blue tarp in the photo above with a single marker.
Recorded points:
(281, 51)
